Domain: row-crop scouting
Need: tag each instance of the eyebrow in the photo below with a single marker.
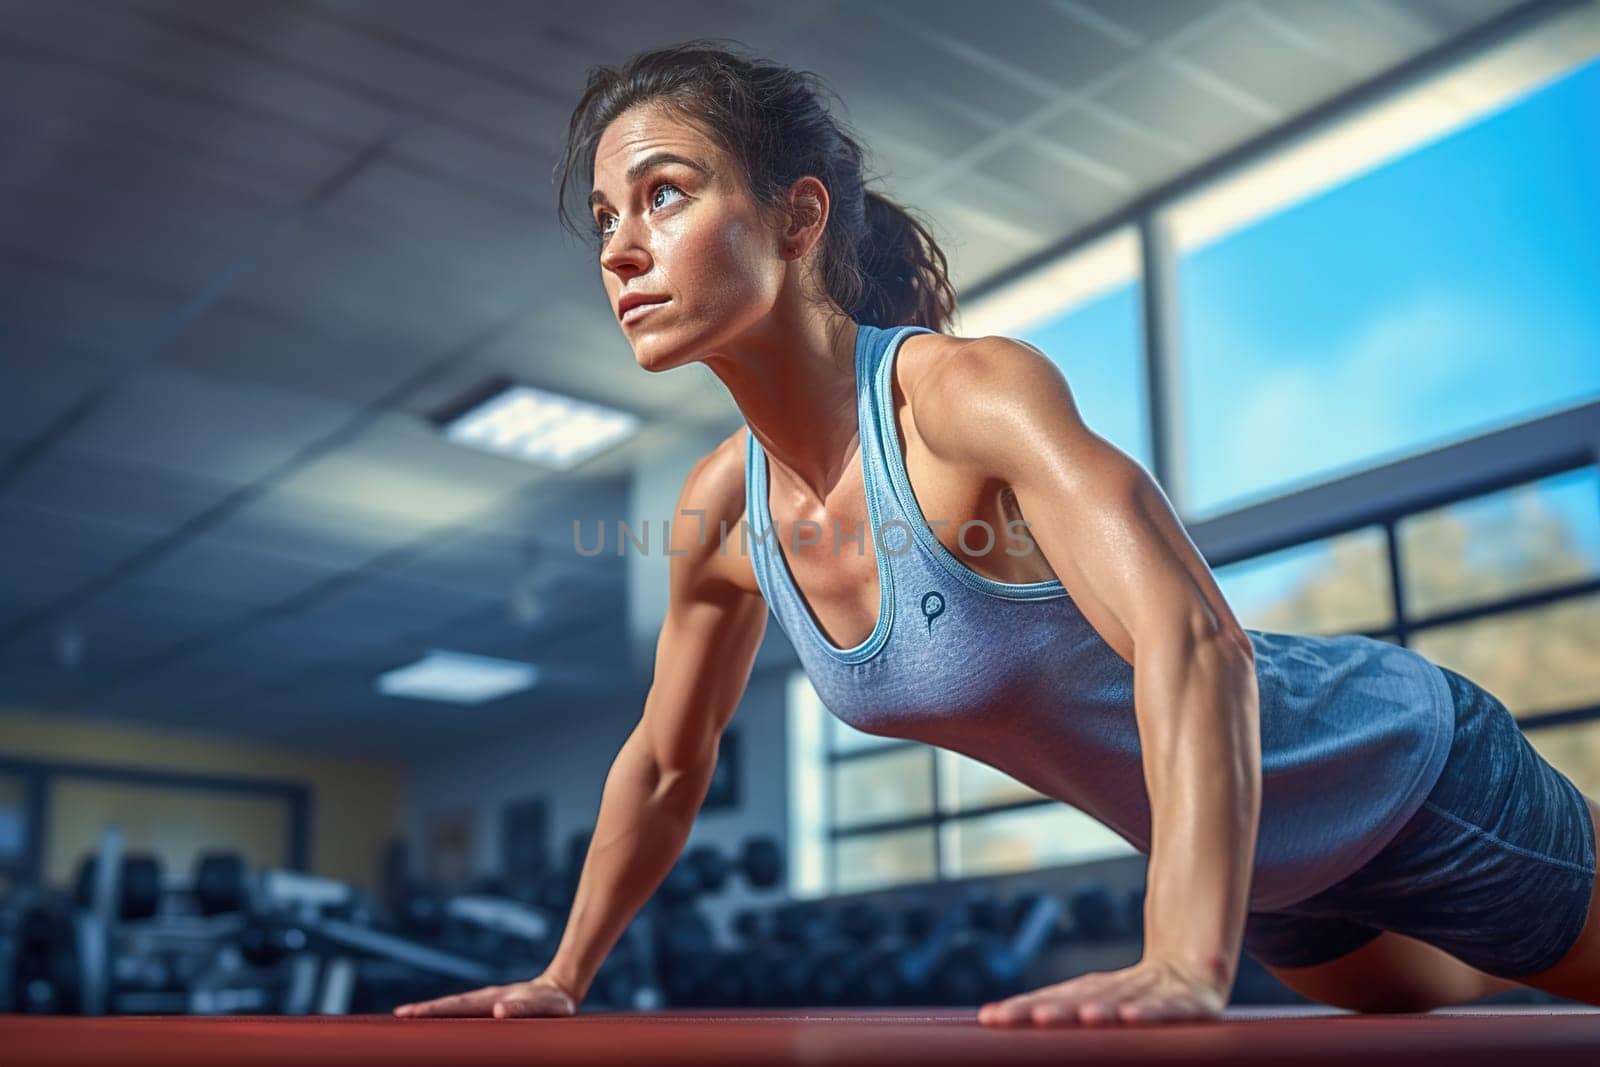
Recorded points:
(655, 159)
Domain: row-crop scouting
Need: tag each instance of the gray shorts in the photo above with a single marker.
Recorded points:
(1496, 867)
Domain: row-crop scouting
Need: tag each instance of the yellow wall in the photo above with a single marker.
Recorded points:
(356, 805)
(176, 823)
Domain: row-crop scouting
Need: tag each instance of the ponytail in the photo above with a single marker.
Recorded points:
(904, 271)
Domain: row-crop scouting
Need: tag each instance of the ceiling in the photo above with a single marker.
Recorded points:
(247, 248)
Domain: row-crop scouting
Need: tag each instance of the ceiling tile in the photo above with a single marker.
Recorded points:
(234, 431)
(237, 343)
(211, 567)
(1152, 20)
(34, 537)
(39, 382)
(401, 464)
(90, 486)
(1035, 37)
(1146, 157)
(1245, 52)
(317, 529)
(1155, 95)
(50, 302)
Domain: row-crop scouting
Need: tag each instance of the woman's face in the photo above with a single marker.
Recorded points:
(677, 226)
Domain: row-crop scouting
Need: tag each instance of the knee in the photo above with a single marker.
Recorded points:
(1374, 998)
(1392, 1002)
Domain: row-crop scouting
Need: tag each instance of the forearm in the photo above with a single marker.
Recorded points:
(644, 820)
(1199, 713)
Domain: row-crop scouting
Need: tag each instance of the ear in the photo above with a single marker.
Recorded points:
(807, 216)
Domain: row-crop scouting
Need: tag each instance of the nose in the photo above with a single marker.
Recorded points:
(625, 253)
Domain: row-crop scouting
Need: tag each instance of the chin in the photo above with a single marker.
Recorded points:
(657, 359)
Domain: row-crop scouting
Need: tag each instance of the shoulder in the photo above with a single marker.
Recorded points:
(716, 481)
(713, 497)
(972, 396)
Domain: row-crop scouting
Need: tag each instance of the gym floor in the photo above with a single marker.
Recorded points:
(1311, 1035)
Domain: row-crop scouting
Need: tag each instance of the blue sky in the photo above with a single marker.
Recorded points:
(1446, 293)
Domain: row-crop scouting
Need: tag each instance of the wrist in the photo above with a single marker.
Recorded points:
(1217, 969)
(566, 980)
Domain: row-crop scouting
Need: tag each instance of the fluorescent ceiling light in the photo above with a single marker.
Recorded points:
(458, 678)
(542, 427)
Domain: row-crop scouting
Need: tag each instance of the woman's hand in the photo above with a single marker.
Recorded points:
(1153, 990)
(542, 996)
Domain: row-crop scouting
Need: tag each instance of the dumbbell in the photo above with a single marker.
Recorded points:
(265, 941)
(805, 934)
(684, 949)
(983, 966)
(860, 969)
(1095, 914)
(760, 956)
(44, 972)
(801, 923)
(1134, 920)
(986, 913)
(221, 883)
(900, 969)
(706, 868)
(137, 892)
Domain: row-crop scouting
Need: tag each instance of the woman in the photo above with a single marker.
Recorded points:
(1373, 828)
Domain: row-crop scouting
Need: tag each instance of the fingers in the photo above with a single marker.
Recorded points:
(1091, 999)
(477, 1002)
(502, 1002)
(1051, 1004)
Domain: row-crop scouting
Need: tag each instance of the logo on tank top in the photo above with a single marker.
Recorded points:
(932, 607)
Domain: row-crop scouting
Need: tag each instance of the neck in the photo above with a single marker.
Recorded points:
(793, 378)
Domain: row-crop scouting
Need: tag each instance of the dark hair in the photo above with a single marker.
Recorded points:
(879, 265)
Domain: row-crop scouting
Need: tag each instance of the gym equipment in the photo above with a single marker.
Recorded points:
(1095, 915)
(220, 883)
(137, 888)
(1134, 912)
(981, 966)
(706, 869)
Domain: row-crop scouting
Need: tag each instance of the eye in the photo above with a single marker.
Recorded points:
(600, 229)
(657, 191)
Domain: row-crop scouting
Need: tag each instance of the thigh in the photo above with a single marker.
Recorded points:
(1498, 866)
(1391, 973)
(1577, 973)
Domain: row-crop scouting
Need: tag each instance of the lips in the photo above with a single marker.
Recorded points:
(633, 305)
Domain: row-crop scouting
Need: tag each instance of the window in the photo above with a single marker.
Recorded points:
(1084, 314)
(1521, 540)
(1337, 585)
(1446, 293)
(867, 812)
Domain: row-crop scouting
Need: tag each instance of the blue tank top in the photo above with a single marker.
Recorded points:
(1354, 731)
